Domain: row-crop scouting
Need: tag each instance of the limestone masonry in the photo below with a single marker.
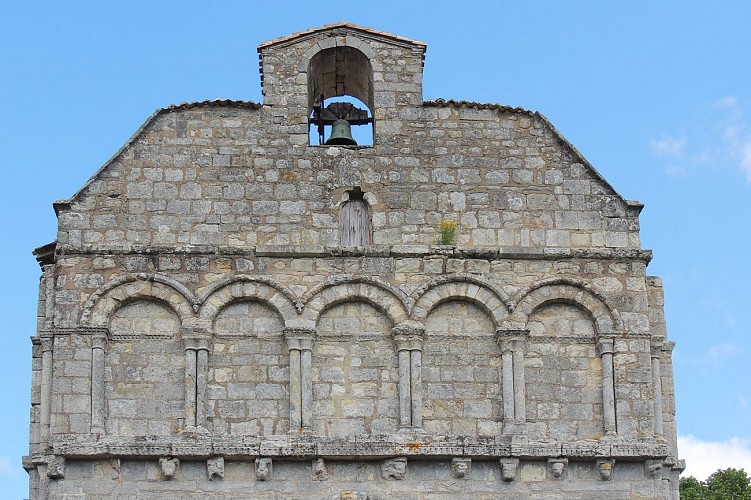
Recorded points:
(456, 308)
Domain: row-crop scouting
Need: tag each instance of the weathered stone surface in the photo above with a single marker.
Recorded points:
(204, 333)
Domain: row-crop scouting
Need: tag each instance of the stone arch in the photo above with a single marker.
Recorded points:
(466, 288)
(235, 289)
(567, 292)
(381, 297)
(113, 295)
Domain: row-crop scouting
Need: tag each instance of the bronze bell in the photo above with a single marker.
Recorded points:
(341, 134)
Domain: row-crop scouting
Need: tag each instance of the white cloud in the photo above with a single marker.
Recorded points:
(8, 468)
(675, 171)
(718, 354)
(705, 457)
(726, 102)
(668, 145)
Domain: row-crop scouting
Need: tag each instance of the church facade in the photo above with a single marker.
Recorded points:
(236, 306)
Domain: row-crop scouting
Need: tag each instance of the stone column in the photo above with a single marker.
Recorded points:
(656, 351)
(196, 345)
(97, 383)
(46, 389)
(300, 345)
(408, 338)
(605, 346)
(512, 343)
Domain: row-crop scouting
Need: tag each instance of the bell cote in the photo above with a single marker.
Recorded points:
(312, 80)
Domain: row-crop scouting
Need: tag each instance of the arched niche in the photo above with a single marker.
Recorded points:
(355, 372)
(461, 371)
(563, 374)
(248, 371)
(342, 76)
(145, 370)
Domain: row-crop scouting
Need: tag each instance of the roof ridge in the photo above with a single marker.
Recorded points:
(440, 102)
(340, 24)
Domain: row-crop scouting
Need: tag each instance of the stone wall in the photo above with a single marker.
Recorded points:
(202, 331)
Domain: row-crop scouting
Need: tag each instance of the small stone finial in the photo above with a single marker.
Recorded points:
(557, 467)
(460, 467)
(56, 467)
(215, 467)
(605, 467)
(263, 469)
(395, 468)
(169, 466)
(509, 466)
(319, 470)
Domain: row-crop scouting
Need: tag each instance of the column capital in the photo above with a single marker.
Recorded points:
(510, 339)
(408, 335)
(47, 340)
(668, 347)
(195, 339)
(605, 345)
(300, 338)
(99, 341)
(655, 349)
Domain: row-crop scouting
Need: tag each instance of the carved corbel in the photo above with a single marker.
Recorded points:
(395, 468)
(264, 469)
(605, 468)
(509, 467)
(56, 467)
(319, 471)
(215, 468)
(557, 467)
(461, 467)
(168, 466)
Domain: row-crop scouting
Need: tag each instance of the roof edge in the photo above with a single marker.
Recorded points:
(634, 205)
(65, 203)
(335, 26)
(451, 103)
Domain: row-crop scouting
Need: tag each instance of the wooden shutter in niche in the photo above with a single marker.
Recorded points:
(354, 223)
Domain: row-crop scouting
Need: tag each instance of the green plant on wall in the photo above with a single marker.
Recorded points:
(447, 227)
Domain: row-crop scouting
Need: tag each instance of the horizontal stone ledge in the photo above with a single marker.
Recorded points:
(395, 251)
(246, 447)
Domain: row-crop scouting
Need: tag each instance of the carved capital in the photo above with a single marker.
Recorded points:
(48, 340)
(655, 350)
(605, 345)
(195, 339)
(511, 339)
(299, 338)
(99, 341)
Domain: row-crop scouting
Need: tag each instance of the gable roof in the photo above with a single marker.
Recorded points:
(343, 26)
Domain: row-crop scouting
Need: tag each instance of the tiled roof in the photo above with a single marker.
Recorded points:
(230, 103)
(443, 103)
(341, 24)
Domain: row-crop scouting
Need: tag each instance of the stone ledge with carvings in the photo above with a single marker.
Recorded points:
(302, 446)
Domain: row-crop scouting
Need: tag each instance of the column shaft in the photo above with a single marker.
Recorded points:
(405, 388)
(190, 387)
(608, 393)
(520, 396)
(202, 369)
(306, 388)
(295, 391)
(416, 387)
(657, 391)
(46, 389)
(97, 387)
(507, 383)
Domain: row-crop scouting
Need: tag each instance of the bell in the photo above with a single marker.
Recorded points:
(341, 134)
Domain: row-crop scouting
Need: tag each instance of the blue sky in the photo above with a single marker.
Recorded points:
(657, 95)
